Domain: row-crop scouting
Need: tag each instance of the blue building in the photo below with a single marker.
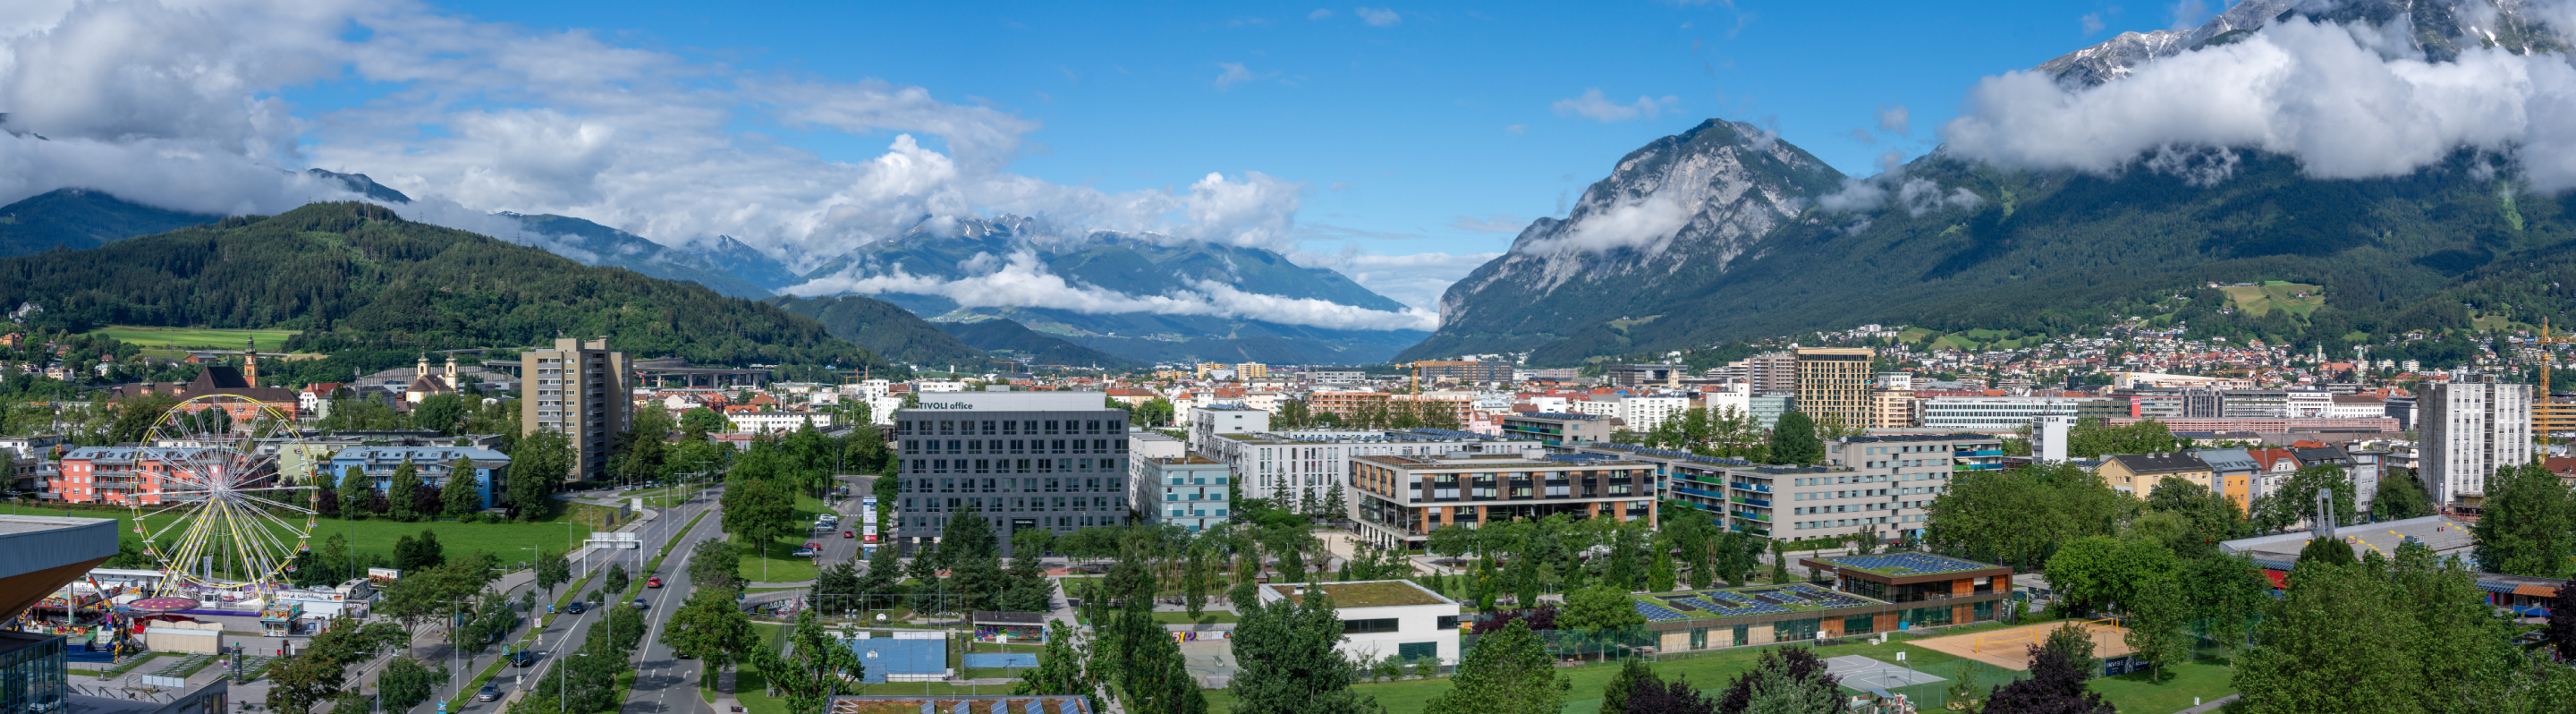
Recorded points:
(433, 462)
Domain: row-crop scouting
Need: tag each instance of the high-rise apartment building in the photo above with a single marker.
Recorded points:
(2470, 426)
(1834, 383)
(578, 388)
(1053, 460)
(1771, 372)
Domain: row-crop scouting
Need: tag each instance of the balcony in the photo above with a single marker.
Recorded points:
(1756, 517)
(1989, 452)
(1754, 487)
(1764, 503)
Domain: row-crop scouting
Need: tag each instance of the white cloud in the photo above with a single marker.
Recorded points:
(1644, 223)
(2092, 22)
(1593, 106)
(1417, 280)
(1320, 14)
(2323, 93)
(2188, 14)
(1234, 72)
(1893, 118)
(1378, 16)
(1517, 129)
(1020, 280)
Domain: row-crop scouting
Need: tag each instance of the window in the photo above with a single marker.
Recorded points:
(1355, 627)
(1417, 650)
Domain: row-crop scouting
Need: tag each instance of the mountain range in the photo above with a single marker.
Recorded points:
(1724, 232)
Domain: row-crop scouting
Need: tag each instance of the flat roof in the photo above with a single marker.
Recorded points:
(1743, 602)
(1959, 436)
(1368, 593)
(2443, 535)
(1906, 564)
(1488, 461)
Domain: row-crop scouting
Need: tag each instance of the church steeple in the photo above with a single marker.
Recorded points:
(421, 370)
(450, 374)
(250, 361)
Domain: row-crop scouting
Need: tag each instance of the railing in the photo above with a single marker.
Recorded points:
(1754, 487)
(1697, 492)
(1751, 516)
(1989, 452)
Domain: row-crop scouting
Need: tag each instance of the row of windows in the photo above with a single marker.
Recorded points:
(1006, 485)
(946, 427)
(1014, 446)
(1007, 466)
(1001, 504)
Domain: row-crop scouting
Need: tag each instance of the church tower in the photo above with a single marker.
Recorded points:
(450, 374)
(421, 370)
(250, 361)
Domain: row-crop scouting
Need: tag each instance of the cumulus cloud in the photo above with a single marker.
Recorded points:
(1378, 16)
(1645, 223)
(1417, 280)
(1020, 280)
(2188, 14)
(1320, 14)
(2092, 22)
(2347, 101)
(1894, 119)
(177, 103)
(1592, 105)
(1234, 72)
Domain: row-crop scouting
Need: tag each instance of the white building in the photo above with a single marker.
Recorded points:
(1737, 396)
(1337, 376)
(773, 422)
(1385, 617)
(1187, 490)
(1207, 422)
(2470, 426)
(1643, 414)
(938, 385)
(1990, 414)
(1287, 466)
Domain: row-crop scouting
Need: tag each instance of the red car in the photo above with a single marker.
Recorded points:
(849, 534)
(653, 582)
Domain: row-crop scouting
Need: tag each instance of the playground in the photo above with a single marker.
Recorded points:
(2010, 648)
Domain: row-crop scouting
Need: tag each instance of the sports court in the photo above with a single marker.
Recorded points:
(1865, 674)
(2010, 648)
(997, 660)
(903, 660)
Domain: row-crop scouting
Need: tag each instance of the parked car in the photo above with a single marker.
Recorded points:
(487, 693)
(805, 553)
(653, 582)
(576, 608)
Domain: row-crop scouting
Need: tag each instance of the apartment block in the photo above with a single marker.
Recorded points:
(1463, 372)
(1834, 384)
(579, 388)
(1292, 467)
(1890, 480)
(2469, 427)
(1055, 460)
(1188, 491)
(1401, 499)
(1209, 422)
(1558, 429)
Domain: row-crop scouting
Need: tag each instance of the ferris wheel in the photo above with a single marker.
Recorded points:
(221, 518)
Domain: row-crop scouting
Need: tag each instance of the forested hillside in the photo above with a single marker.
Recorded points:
(356, 276)
(892, 332)
(1029, 346)
(74, 219)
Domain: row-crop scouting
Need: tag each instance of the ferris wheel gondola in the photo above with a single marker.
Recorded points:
(222, 518)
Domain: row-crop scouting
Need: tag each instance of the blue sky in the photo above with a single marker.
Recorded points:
(1431, 129)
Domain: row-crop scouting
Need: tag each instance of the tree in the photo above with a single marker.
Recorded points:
(2091, 438)
(413, 554)
(2056, 686)
(1598, 610)
(406, 683)
(2326, 550)
(1793, 439)
(302, 681)
(712, 628)
(538, 463)
(1633, 674)
(401, 491)
(2530, 524)
(1786, 679)
(1289, 662)
(2021, 516)
(2400, 496)
(2560, 633)
(441, 413)
(463, 494)
(2207, 518)
(697, 423)
(1660, 576)
(615, 580)
(2157, 614)
(552, 569)
(1059, 670)
(1509, 672)
(883, 577)
(758, 512)
(356, 489)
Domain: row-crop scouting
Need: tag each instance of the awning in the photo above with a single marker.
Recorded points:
(2280, 580)
(2529, 611)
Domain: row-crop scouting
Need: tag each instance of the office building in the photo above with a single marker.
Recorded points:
(1384, 618)
(1834, 384)
(1993, 414)
(1294, 468)
(1771, 372)
(1767, 408)
(1463, 372)
(1336, 375)
(578, 388)
(1558, 429)
(2469, 427)
(1188, 491)
(2049, 437)
(1208, 422)
(1054, 460)
(2158, 403)
(2254, 404)
(1401, 499)
(1892, 408)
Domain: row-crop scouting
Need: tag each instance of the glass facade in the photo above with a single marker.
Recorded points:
(31, 673)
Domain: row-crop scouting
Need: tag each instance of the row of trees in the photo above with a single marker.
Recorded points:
(1529, 558)
(405, 497)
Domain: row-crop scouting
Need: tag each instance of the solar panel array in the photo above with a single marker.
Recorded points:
(1657, 613)
(1904, 563)
(1734, 609)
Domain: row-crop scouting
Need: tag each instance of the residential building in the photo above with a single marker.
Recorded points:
(1558, 430)
(579, 388)
(2235, 472)
(1834, 384)
(1700, 482)
(22, 460)
(2137, 474)
(1295, 468)
(2368, 467)
(2469, 427)
(1209, 422)
(1891, 408)
(1401, 499)
(1383, 618)
(1345, 403)
(1644, 414)
(1336, 375)
(1463, 372)
(1898, 476)
(2554, 417)
(127, 475)
(1188, 491)
(2269, 425)
(1992, 414)
(1772, 372)
(776, 422)
(1055, 460)
(435, 464)
(1642, 375)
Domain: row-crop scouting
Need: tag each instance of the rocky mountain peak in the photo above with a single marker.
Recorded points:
(2437, 29)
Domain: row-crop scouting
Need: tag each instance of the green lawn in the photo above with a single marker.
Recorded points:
(1209, 617)
(782, 567)
(197, 338)
(2207, 679)
(377, 535)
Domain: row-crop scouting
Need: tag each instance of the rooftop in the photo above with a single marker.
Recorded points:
(1491, 461)
(2443, 535)
(1371, 593)
(1743, 601)
(1922, 437)
(1557, 416)
(1905, 564)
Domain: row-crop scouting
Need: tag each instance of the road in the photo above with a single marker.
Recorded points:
(664, 683)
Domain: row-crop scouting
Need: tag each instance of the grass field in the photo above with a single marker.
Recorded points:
(2256, 300)
(184, 338)
(377, 535)
(776, 564)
